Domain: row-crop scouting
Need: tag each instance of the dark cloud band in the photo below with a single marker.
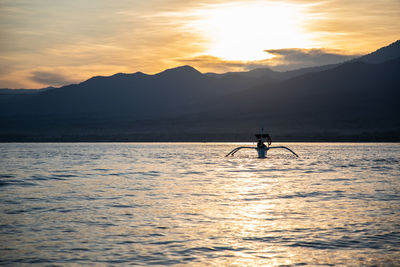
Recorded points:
(50, 78)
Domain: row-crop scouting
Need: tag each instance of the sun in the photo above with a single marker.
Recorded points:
(242, 31)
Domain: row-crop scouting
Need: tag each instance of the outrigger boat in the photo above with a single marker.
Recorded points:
(261, 147)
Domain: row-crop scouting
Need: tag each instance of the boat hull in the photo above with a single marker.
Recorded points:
(262, 152)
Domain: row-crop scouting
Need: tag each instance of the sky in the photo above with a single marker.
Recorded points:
(55, 42)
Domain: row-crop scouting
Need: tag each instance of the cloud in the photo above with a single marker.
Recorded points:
(312, 55)
(293, 58)
(284, 59)
(50, 78)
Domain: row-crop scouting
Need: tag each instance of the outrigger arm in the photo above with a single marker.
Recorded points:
(266, 149)
(283, 148)
(237, 149)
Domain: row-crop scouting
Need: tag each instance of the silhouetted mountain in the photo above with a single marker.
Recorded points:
(171, 92)
(271, 75)
(12, 96)
(352, 97)
(24, 91)
(383, 54)
(255, 73)
(349, 99)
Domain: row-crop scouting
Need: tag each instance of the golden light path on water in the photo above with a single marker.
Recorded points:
(186, 204)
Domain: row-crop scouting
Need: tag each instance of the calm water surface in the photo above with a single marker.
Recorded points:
(186, 204)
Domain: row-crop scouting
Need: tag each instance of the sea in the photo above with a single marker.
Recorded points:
(186, 204)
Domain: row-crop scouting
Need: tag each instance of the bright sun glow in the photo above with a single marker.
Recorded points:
(243, 31)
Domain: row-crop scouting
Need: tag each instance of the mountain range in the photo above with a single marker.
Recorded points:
(351, 101)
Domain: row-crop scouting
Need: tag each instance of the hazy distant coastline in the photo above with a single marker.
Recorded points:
(390, 137)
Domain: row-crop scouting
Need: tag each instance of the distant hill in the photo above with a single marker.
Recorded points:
(383, 54)
(356, 100)
(353, 97)
(171, 92)
(24, 91)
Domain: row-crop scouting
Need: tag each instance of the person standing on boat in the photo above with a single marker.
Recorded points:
(260, 144)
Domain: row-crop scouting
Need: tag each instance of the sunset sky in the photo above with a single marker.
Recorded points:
(54, 42)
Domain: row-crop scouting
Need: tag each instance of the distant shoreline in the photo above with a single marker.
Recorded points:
(152, 138)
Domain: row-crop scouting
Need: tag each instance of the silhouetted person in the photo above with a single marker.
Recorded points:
(260, 144)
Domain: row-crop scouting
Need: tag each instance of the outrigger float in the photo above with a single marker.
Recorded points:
(261, 147)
